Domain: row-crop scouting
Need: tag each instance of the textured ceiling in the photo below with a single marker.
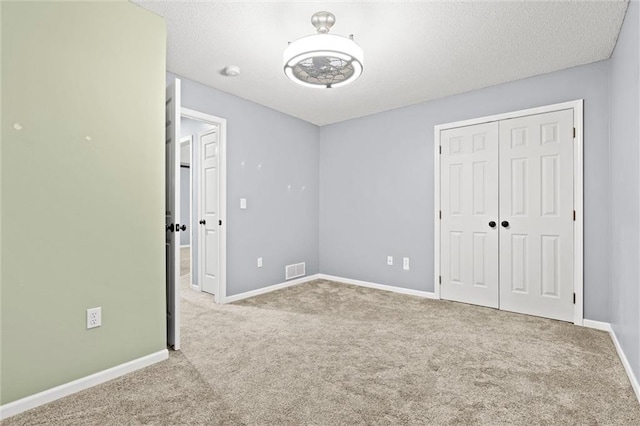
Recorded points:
(413, 51)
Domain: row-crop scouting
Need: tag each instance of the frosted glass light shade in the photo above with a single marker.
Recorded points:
(323, 61)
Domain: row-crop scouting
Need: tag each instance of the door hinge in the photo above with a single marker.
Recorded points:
(440, 214)
(574, 215)
(574, 298)
(574, 132)
(440, 279)
(440, 149)
(220, 222)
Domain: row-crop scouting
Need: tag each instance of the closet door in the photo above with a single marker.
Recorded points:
(536, 215)
(469, 203)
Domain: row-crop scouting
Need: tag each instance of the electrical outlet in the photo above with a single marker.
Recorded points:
(94, 317)
(389, 260)
(405, 263)
(259, 262)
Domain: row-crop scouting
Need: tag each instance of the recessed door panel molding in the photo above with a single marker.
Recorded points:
(470, 202)
(479, 142)
(455, 188)
(550, 265)
(455, 265)
(518, 137)
(518, 186)
(509, 211)
(211, 191)
(479, 188)
(549, 133)
(518, 263)
(550, 185)
(211, 257)
(479, 258)
(455, 144)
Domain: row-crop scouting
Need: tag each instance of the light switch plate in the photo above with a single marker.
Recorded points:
(389, 260)
(259, 262)
(405, 263)
(243, 203)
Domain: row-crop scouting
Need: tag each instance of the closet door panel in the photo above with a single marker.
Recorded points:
(469, 201)
(536, 209)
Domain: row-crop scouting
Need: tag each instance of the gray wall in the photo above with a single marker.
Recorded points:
(624, 196)
(272, 161)
(376, 181)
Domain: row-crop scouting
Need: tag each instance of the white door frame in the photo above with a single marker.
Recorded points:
(221, 123)
(578, 192)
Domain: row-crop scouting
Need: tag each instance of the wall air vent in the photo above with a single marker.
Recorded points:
(294, 271)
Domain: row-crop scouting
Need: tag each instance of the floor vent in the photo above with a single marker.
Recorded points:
(294, 271)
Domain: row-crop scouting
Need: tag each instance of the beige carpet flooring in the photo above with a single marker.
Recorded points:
(185, 260)
(324, 353)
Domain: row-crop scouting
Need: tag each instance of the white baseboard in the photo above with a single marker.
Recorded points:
(598, 325)
(269, 289)
(625, 362)
(186, 245)
(419, 293)
(605, 326)
(44, 397)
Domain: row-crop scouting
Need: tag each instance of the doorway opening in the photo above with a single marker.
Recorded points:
(203, 195)
(195, 207)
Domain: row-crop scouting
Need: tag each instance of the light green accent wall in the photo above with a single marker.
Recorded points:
(82, 221)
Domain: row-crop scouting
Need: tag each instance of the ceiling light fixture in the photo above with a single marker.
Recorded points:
(323, 59)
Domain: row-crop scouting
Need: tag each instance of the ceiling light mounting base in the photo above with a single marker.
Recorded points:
(323, 21)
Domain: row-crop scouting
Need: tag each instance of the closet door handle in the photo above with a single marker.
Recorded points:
(505, 224)
(203, 222)
(492, 224)
(169, 227)
(183, 227)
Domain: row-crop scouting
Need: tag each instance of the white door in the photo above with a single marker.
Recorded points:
(536, 215)
(172, 212)
(469, 203)
(209, 217)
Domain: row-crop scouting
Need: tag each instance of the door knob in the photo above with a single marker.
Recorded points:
(177, 227)
(169, 227)
(505, 224)
(203, 222)
(183, 227)
(492, 224)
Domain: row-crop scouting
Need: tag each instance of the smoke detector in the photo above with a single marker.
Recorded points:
(231, 71)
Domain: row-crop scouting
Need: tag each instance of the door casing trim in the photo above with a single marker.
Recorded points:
(578, 191)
